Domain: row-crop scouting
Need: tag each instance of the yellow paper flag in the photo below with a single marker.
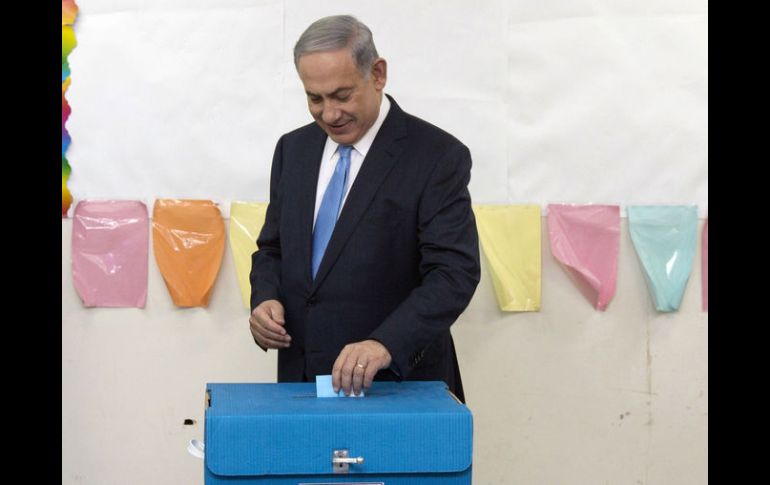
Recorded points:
(510, 239)
(246, 220)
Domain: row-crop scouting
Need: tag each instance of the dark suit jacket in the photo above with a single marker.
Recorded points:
(401, 264)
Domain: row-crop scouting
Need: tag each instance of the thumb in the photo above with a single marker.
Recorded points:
(276, 312)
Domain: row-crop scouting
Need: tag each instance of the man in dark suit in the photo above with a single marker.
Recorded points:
(369, 251)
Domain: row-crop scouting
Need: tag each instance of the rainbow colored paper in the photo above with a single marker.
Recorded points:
(510, 238)
(69, 12)
(246, 220)
(109, 253)
(664, 238)
(705, 266)
(585, 239)
(188, 239)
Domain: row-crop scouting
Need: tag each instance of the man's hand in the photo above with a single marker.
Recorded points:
(357, 364)
(266, 325)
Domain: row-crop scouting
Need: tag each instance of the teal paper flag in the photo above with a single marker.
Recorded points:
(664, 238)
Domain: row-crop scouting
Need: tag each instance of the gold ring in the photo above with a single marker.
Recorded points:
(361, 365)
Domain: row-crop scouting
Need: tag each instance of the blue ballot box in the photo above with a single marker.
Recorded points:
(400, 433)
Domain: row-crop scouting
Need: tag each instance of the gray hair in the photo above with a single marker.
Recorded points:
(336, 32)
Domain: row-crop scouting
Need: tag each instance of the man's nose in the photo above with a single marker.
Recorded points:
(330, 113)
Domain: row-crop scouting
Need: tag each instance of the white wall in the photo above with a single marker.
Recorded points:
(568, 395)
(601, 101)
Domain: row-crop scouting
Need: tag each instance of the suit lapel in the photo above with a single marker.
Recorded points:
(311, 160)
(380, 159)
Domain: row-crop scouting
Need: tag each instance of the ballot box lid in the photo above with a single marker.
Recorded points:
(284, 429)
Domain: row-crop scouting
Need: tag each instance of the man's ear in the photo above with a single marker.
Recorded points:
(380, 73)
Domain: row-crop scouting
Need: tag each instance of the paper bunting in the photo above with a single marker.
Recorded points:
(188, 239)
(68, 13)
(109, 253)
(510, 239)
(246, 220)
(664, 238)
(585, 239)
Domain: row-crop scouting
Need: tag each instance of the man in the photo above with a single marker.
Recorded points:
(369, 251)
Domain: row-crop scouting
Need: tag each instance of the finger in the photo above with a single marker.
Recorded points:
(265, 320)
(272, 343)
(371, 371)
(359, 371)
(346, 376)
(337, 368)
(265, 331)
(268, 329)
(267, 342)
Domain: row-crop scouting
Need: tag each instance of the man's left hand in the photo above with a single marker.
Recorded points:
(357, 365)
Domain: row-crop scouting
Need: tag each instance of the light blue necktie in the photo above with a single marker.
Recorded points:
(330, 207)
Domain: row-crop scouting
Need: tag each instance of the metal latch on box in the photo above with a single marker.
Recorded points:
(341, 461)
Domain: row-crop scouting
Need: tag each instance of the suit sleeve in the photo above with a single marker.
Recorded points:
(265, 276)
(449, 267)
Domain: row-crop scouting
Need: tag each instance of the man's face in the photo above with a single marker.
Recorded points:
(341, 100)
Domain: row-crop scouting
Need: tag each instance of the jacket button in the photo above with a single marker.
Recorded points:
(311, 301)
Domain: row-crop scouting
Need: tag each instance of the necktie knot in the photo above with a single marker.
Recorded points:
(345, 150)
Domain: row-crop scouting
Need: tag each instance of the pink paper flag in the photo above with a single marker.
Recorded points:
(585, 239)
(705, 270)
(109, 253)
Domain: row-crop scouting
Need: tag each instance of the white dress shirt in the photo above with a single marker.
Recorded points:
(357, 156)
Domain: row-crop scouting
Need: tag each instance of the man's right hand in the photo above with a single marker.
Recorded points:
(266, 325)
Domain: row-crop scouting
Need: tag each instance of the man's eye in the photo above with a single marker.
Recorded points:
(315, 99)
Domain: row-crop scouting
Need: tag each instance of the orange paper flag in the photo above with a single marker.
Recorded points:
(188, 238)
